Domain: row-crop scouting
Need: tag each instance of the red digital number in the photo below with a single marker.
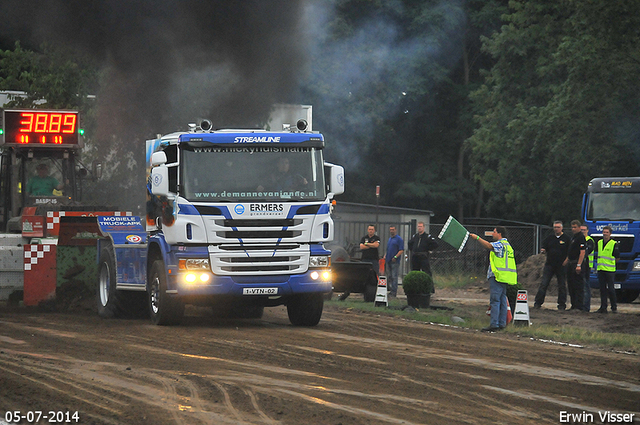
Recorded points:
(47, 123)
(28, 122)
(54, 123)
(69, 123)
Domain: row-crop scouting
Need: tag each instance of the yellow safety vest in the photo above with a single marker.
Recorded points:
(592, 253)
(504, 268)
(606, 261)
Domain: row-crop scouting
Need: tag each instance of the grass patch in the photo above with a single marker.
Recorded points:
(580, 336)
(475, 317)
(454, 280)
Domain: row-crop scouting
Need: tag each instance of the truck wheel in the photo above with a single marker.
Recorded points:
(626, 295)
(371, 288)
(370, 293)
(305, 309)
(109, 304)
(164, 308)
(339, 254)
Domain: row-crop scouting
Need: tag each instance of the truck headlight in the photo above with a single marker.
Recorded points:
(636, 266)
(193, 264)
(319, 261)
(325, 275)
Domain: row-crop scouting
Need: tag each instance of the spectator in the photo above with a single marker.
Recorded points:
(556, 247)
(587, 266)
(393, 260)
(502, 272)
(369, 246)
(575, 259)
(606, 256)
(420, 245)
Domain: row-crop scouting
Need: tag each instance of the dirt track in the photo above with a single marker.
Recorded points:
(354, 368)
(351, 369)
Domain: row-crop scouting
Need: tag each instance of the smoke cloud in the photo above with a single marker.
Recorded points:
(170, 62)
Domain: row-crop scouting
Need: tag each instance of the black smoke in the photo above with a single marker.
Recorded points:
(169, 62)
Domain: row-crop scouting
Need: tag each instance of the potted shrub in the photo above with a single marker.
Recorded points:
(418, 286)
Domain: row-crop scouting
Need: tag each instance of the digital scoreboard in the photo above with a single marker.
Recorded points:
(41, 128)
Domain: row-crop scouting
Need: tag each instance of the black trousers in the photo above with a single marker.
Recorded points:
(419, 261)
(575, 282)
(606, 289)
(559, 271)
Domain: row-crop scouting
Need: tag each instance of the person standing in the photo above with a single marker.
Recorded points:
(502, 272)
(556, 247)
(587, 266)
(420, 245)
(607, 254)
(369, 246)
(393, 259)
(575, 259)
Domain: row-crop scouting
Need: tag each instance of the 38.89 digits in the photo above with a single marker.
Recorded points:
(33, 122)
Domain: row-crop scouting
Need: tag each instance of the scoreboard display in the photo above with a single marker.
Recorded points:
(41, 128)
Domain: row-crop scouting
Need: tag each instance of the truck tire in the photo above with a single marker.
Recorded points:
(165, 309)
(626, 295)
(109, 300)
(371, 288)
(305, 309)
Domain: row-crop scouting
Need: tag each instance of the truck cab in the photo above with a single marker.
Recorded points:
(235, 219)
(615, 201)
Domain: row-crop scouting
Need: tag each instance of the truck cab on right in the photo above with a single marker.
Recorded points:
(615, 201)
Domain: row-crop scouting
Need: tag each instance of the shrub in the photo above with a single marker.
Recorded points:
(417, 282)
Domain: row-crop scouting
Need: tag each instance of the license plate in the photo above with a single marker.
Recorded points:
(259, 291)
(617, 286)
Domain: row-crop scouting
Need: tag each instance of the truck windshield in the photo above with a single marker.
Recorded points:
(614, 206)
(258, 173)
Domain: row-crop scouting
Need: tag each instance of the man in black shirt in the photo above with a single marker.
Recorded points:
(575, 260)
(556, 247)
(369, 246)
(420, 244)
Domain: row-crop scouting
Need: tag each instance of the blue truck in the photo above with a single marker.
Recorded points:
(615, 201)
(236, 220)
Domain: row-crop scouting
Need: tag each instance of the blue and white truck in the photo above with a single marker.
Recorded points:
(236, 219)
(615, 201)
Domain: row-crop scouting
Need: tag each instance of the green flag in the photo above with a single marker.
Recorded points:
(454, 234)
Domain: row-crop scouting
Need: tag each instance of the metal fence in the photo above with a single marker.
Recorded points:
(473, 260)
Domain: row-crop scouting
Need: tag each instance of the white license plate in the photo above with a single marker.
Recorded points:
(617, 286)
(259, 291)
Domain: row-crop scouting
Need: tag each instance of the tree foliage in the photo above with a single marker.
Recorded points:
(559, 107)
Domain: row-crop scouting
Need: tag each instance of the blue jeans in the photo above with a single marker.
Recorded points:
(392, 276)
(498, 302)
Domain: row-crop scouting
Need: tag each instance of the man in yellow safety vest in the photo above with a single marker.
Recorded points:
(502, 272)
(606, 256)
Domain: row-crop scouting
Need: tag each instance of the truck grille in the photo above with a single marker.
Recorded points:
(286, 229)
(252, 259)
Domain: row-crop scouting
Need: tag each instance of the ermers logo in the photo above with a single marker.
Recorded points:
(239, 209)
(254, 139)
(266, 207)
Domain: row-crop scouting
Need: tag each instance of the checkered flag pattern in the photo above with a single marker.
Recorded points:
(34, 253)
(53, 217)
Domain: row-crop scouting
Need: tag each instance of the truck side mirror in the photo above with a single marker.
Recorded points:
(158, 158)
(336, 178)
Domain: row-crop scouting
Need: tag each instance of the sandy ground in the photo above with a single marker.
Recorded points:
(351, 369)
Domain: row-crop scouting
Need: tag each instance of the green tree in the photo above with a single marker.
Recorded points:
(559, 107)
